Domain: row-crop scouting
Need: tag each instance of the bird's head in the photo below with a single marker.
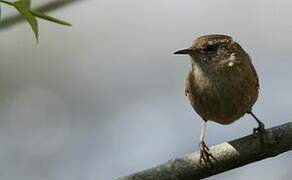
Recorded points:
(214, 51)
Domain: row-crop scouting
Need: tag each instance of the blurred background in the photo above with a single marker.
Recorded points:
(105, 98)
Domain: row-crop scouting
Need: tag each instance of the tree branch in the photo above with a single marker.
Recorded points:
(228, 155)
(12, 20)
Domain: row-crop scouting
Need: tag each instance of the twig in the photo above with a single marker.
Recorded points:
(228, 156)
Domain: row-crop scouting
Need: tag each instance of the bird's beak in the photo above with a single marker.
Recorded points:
(184, 51)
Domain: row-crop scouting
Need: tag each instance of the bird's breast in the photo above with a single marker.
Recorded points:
(224, 97)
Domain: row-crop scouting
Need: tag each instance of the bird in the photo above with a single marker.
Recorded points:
(222, 84)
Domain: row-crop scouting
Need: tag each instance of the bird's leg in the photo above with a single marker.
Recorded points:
(205, 153)
(260, 129)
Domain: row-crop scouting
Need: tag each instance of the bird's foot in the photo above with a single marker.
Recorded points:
(205, 153)
(260, 130)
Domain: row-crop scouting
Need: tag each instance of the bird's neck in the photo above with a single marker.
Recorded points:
(201, 76)
(202, 70)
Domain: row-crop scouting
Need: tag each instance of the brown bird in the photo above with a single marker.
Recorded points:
(222, 85)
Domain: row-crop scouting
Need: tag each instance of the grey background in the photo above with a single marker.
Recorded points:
(105, 98)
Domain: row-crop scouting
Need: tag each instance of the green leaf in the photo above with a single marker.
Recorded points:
(49, 18)
(23, 6)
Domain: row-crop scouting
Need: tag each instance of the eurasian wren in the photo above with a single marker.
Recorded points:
(222, 85)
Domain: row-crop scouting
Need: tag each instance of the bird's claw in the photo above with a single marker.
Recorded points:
(260, 130)
(205, 153)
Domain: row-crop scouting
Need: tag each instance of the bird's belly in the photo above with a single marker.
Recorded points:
(223, 103)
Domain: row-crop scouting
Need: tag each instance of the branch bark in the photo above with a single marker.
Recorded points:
(12, 20)
(228, 155)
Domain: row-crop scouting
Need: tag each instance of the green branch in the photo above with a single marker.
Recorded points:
(24, 8)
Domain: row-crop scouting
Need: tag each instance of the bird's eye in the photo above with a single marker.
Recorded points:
(210, 48)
